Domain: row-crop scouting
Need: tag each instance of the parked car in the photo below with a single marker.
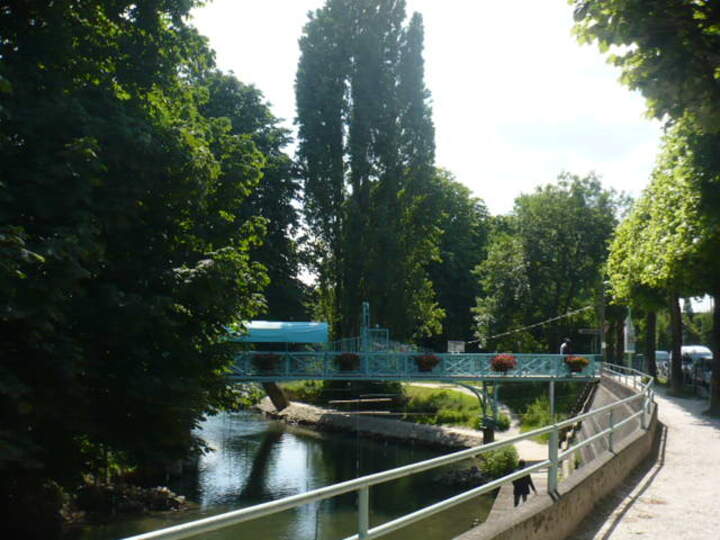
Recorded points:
(696, 362)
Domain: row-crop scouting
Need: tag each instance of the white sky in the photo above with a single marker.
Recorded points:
(515, 99)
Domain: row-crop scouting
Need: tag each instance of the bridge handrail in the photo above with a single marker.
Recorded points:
(403, 365)
(363, 483)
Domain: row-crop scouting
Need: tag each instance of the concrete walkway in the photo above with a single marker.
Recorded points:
(674, 496)
(528, 450)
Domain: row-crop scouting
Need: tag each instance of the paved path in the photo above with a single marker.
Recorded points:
(677, 495)
(527, 449)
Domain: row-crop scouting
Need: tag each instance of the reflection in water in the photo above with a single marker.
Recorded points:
(257, 460)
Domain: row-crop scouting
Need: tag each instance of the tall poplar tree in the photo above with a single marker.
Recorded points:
(366, 146)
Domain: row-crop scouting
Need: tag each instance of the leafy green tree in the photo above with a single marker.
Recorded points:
(505, 285)
(670, 55)
(122, 212)
(366, 148)
(670, 241)
(275, 197)
(666, 49)
(550, 262)
(464, 222)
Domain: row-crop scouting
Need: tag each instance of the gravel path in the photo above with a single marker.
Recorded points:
(675, 496)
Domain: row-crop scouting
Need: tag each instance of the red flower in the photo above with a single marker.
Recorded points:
(503, 362)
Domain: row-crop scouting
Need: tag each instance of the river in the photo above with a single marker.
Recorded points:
(257, 460)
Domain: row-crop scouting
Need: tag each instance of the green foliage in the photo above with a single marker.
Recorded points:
(127, 234)
(423, 405)
(538, 415)
(502, 423)
(662, 244)
(439, 407)
(272, 200)
(244, 396)
(546, 260)
(304, 391)
(669, 54)
(498, 463)
(668, 245)
(464, 222)
(366, 148)
(322, 392)
(520, 396)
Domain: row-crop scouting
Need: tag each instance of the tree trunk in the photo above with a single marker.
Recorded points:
(620, 342)
(715, 379)
(650, 330)
(610, 342)
(276, 395)
(676, 376)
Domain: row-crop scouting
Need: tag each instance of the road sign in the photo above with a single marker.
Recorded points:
(589, 331)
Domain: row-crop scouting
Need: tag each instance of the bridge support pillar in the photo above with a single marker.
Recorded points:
(276, 395)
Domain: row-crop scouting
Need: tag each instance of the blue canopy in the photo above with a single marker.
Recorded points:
(284, 332)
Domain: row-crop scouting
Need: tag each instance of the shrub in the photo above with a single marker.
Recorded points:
(442, 406)
(537, 416)
(245, 395)
(519, 396)
(304, 391)
(502, 423)
(500, 462)
(503, 362)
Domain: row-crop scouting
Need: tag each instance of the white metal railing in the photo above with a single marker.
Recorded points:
(628, 376)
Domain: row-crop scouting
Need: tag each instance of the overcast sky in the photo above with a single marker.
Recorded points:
(515, 99)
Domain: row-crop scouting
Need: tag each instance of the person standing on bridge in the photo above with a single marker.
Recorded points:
(566, 346)
(521, 486)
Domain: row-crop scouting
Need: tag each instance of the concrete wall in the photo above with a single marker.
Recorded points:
(608, 391)
(546, 517)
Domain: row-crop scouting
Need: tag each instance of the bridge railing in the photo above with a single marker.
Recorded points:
(394, 365)
(362, 485)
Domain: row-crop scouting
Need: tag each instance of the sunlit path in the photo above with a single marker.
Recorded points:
(676, 496)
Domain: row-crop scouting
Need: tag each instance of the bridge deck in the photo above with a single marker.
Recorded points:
(326, 365)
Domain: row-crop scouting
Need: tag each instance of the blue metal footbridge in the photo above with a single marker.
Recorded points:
(273, 366)
(373, 356)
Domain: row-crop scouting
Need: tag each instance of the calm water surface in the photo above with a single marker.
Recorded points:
(258, 460)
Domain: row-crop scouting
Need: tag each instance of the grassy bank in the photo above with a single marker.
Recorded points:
(423, 405)
(531, 402)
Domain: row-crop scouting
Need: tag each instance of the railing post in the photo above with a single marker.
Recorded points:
(553, 457)
(611, 425)
(363, 512)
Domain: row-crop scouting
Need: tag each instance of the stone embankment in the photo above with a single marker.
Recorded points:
(372, 426)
